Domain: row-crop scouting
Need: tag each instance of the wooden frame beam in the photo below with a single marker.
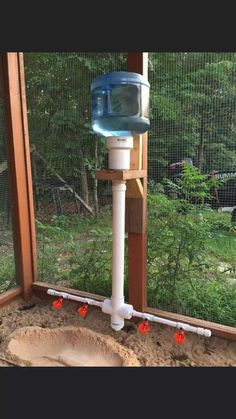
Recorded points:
(136, 207)
(219, 330)
(42, 287)
(9, 296)
(119, 174)
(20, 172)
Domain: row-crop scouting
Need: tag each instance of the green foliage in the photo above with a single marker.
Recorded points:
(7, 272)
(76, 250)
(185, 251)
(90, 264)
(176, 243)
(59, 108)
(186, 246)
(195, 186)
(193, 102)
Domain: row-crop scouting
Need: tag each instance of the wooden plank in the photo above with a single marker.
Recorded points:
(136, 153)
(134, 188)
(217, 329)
(20, 172)
(10, 296)
(134, 215)
(137, 254)
(40, 287)
(119, 174)
(137, 242)
(138, 63)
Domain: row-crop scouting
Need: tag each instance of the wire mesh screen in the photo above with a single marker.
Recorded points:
(7, 262)
(192, 185)
(72, 209)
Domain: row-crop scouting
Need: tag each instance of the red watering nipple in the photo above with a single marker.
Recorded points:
(144, 327)
(57, 304)
(83, 310)
(179, 337)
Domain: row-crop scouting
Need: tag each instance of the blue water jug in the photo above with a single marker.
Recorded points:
(120, 104)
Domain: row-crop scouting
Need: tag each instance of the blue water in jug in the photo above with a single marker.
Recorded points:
(120, 104)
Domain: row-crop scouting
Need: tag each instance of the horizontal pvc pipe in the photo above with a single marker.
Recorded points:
(68, 296)
(133, 313)
(177, 325)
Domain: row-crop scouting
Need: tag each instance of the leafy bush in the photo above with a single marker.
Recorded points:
(91, 264)
(184, 250)
(192, 186)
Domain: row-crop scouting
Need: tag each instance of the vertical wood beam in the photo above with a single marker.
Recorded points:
(20, 172)
(137, 242)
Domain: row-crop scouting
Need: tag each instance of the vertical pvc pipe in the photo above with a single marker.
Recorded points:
(118, 252)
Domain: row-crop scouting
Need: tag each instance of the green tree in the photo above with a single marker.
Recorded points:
(58, 98)
(193, 103)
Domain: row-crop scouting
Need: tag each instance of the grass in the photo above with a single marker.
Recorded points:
(222, 248)
(76, 252)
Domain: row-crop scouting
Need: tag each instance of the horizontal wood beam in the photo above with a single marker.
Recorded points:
(43, 287)
(217, 329)
(10, 296)
(120, 174)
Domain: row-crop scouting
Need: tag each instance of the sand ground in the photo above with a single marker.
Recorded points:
(155, 349)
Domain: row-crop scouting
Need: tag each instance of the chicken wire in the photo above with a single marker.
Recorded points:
(191, 178)
(7, 261)
(73, 216)
(192, 184)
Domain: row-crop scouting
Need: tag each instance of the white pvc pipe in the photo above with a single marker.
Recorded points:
(119, 152)
(177, 325)
(118, 252)
(126, 312)
(68, 296)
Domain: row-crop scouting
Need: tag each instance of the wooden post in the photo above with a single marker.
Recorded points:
(20, 172)
(137, 242)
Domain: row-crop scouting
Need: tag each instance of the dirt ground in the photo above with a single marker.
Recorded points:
(157, 348)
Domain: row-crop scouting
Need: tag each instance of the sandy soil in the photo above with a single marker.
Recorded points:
(155, 349)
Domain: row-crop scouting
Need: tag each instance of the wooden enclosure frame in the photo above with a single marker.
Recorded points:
(23, 205)
(20, 180)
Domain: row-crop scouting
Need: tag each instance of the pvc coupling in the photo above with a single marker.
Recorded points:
(118, 312)
(119, 152)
